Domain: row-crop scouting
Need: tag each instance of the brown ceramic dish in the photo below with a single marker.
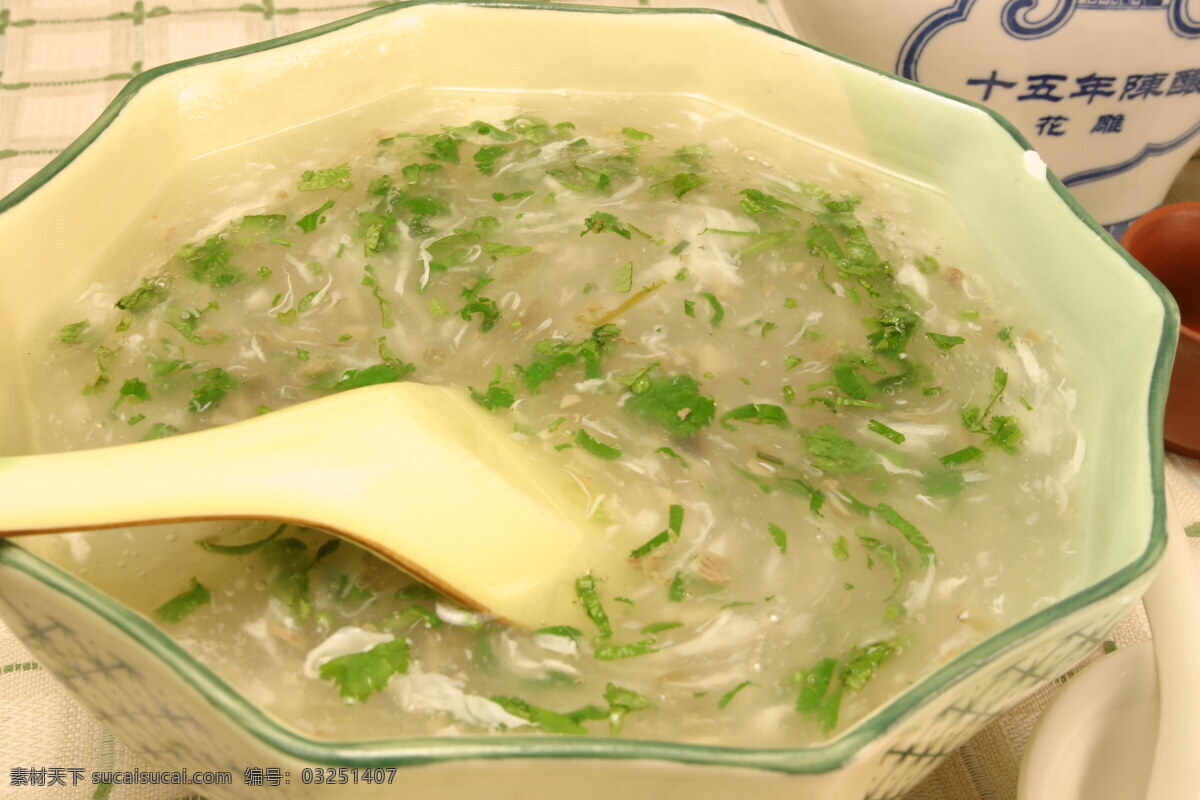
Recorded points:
(1167, 242)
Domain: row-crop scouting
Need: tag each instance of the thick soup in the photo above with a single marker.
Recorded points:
(836, 455)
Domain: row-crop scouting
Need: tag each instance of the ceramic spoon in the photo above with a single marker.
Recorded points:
(418, 474)
(1109, 735)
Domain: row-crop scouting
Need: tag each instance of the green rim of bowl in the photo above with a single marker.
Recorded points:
(820, 758)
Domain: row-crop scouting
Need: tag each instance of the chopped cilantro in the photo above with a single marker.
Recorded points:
(497, 250)
(599, 449)
(893, 328)
(386, 356)
(537, 131)
(636, 135)
(307, 301)
(814, 683)
(717, 309)
(666, 451)
(369, 376)
(499, 394)
(134, 388)
(963, 456)
(875, 426)
(585, 589)
(927, 265)
(889, 555)
(359, 675)
(622, 701)
(441, 147)
(863, 663)
(159, 430)
(943, 341)
(802, 488)
(309, 222)
(835, 454)
(623, 282)
(215, 383)
(563, 631)
(675, 518)
(73, 333)
(312, 180)
(674, 403)
(910, 532)
(757, 413)
(543, 718)
(184, 603)
(613, 652)
(378, 232)
(728, 696)
(414, 614)
(659, 627)
(822, 687)
(1004, 432)
(500, 197)
(371, 281)
(556, 354)
(656, 541)
(682, 183)
(188, 325)
(762, 485)
(263, 223)
(841, 549)
(486, 157)
(677, 591)
(757, 202)
(778, 535)
(208, 262)
(485, 307)
(601, 221)
(942, 481)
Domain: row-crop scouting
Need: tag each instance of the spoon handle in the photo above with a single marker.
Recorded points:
(232, 471)
(419, 474)
(1173, 610)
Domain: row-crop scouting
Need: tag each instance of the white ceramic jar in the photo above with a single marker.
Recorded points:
(1108, 91)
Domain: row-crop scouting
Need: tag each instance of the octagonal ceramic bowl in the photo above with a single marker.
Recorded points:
(1117, 323)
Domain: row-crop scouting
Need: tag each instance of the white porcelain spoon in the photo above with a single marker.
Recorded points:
(419, 474)
(1128, 726)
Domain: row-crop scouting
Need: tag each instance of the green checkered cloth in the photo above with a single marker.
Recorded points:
(61, 63)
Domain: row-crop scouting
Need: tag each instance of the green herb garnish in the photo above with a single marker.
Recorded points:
(673, 403)
(728, 696)
(309, 222)
(875, 426)
(599, 449)
(184, 603)
(359, 675)
(757, 413)
(312, 180)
